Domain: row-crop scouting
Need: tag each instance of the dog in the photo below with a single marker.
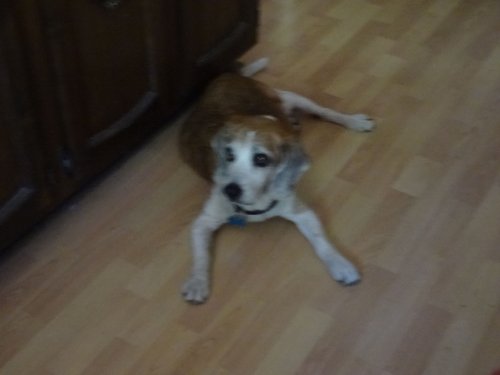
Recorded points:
(242, 137)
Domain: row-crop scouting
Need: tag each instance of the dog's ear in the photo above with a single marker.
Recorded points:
(219, 144)
(294, 163)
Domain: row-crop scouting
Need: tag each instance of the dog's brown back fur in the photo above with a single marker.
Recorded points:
(228, 96)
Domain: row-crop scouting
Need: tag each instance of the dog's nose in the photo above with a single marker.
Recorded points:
(233, 191)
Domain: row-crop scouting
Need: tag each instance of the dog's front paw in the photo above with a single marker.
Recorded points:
(196, 290)
(360, 123)
(345, 272)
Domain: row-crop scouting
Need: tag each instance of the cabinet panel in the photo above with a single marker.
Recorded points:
(22, 199)
(213, 34)
(17, 186)
(110, 58)
(107, 58)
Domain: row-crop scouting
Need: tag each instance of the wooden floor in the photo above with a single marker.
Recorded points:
(416, 205)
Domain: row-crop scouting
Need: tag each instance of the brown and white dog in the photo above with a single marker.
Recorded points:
(241, 137)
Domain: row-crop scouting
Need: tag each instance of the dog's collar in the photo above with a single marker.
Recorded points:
(241, 210)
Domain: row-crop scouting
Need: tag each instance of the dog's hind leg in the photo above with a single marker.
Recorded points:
(291, 102)
(254, 67)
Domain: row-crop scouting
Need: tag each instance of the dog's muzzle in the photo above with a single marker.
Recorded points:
(233, 191)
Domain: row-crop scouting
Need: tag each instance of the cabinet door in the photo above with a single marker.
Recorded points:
(115, 71)
(22, 199)
(20, 204)
(214, 33)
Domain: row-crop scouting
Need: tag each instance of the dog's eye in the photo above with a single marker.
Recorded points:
(261, 160)
(229, 154)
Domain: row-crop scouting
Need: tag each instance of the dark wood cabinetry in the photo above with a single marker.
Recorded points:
(23, 192)
(84, 81)
(212, 31)
(115, 66)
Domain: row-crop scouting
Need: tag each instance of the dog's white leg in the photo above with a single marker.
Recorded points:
(291, 101)
(254, 67)
(197, 288)
(339, 267)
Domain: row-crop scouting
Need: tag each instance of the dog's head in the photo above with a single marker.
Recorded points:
(258, 159)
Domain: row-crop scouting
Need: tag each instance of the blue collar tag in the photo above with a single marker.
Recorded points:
(237, 220)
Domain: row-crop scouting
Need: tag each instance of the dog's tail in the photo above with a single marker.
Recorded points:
(254, 67)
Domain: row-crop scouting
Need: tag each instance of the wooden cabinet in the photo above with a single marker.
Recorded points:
(115, 68)
(212, 32)
(22, 187)
(84, 81)
(21, 190)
